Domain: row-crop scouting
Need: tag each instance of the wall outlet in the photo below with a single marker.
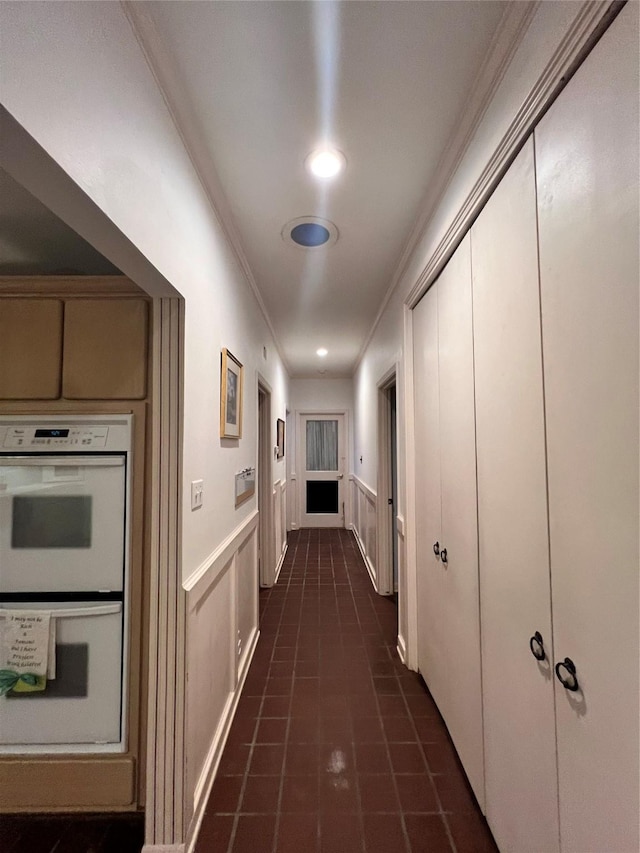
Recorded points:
(197, 494)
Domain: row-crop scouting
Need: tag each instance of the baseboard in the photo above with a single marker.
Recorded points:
(402, 649)
(212, 761)
(281, 562)
(163, 848)
(367, 561)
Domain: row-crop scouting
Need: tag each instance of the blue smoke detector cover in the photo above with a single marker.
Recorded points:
(310, 234)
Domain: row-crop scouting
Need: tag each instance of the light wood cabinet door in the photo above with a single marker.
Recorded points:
(105, 349)
(515, 596)
(460, 602)
(30, 349)
(587, 175)
(431, 629)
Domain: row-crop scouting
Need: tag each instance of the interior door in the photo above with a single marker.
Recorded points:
(460, 603)
(515, 593)
(431, 629)
(587, 174)
(322, 464)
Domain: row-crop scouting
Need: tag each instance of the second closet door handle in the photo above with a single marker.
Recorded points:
(443, 555)
(570, 682)
(436, 548)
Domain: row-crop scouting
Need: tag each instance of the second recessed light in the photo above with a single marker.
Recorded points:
(322, 352)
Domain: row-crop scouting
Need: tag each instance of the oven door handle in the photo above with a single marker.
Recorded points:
(61, 461)
(61, 613)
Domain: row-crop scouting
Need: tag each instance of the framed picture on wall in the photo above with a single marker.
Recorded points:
(280, 438)
(230, 396)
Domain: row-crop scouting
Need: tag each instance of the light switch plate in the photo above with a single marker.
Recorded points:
(197, 493)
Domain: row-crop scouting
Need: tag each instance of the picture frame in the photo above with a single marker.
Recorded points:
(231, 381)
(280, 438)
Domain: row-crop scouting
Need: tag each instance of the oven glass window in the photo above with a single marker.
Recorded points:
(51, 522)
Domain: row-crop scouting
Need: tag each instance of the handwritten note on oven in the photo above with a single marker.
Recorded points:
(25, 648)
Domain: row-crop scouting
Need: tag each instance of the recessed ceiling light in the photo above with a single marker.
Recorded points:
(322, 352)
(326, 162)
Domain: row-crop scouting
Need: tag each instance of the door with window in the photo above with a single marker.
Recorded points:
(322, 466)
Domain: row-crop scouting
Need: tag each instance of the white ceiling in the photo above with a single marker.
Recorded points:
(385, 82)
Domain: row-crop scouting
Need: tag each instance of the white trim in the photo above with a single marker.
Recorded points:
(264, 455)
(163, 848)
(554, 76)
(384, 539)
(366, 490)
(370, 496)
(402, 649)
(207, 776)
(178, 105)
(410, 600)
(509, 34)
(213, 565)
(165, 807)
(401, 526)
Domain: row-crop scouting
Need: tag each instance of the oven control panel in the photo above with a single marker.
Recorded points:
(50, 438)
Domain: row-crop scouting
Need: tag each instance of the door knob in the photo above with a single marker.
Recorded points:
(340, 476)
(536, 645)
(443, 555)
(436, 548)
(570, 682)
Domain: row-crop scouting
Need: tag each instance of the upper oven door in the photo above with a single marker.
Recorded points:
(62, 523)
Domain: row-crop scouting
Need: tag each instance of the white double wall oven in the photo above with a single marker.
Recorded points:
(65, 487)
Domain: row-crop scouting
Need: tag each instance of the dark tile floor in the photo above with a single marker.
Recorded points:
(336, 747)
(71, 834)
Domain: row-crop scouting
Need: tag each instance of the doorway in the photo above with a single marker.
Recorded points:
(321, 461)
(266, 562)
(387, 505)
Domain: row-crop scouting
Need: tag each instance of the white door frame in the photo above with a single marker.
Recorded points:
(264, 455)
(384, 512)
(298, 480)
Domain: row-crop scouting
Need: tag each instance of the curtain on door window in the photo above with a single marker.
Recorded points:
(322, 445)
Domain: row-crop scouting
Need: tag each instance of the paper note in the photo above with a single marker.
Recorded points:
(24, 650)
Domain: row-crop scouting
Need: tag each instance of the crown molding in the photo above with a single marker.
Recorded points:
(178, 103)
(591, 19)
(506, 40)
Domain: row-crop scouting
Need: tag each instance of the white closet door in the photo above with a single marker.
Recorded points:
(431, 630)
(460, 602)
(587, 172)
(519, 719)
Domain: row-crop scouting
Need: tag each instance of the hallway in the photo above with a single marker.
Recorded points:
(336, 747)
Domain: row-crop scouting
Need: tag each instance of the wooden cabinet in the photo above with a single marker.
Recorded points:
(73, 345)
(105, 349)
(555, 280)
(449, 584)
(30, 348)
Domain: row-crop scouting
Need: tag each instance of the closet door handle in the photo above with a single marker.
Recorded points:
(436, 548)
(443, 555)
(571, 683)
(536, 645)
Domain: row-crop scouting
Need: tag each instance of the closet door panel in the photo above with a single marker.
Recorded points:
(460, 604)
(431, 630)
(519, 719)
(587, 172)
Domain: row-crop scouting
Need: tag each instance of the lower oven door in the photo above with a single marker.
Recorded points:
(81, 709)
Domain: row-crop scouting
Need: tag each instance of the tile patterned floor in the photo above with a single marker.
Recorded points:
(336, 747)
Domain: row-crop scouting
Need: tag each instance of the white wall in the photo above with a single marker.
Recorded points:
(74, 76)
(386, 345)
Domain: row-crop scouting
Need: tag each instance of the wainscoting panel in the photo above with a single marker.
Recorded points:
(280, 523)
(222, 632)
(363, 501)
